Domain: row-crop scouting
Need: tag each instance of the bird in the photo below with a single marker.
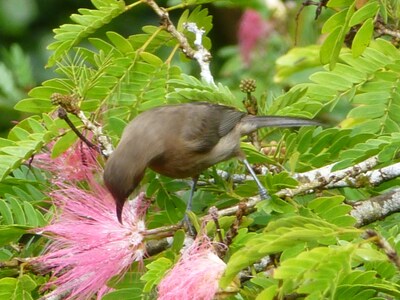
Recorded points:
(181, 141)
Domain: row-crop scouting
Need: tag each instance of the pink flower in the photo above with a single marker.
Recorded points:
(88, 244)
(252, 29)
(72, 165)
(195, 276)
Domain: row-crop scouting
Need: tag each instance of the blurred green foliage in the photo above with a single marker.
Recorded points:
(25, 31)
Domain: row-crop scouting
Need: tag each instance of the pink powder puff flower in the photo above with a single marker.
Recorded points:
(72, 165)
(88, 245)
(252, 29)
(195, 276)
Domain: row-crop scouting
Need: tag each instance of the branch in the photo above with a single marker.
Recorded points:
(376, 208)
(354, 176)
(202, 55)
(104, 140)
(381, 29)
(358, 175)
(324, 177)
(373, 177)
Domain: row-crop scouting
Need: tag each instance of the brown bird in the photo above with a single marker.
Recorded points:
(181, 141)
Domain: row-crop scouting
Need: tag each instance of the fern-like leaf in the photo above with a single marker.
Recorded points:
(87, 22)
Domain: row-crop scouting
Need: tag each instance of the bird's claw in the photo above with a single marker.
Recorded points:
(264, 194)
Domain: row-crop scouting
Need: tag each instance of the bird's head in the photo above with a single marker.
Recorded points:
(121, 177)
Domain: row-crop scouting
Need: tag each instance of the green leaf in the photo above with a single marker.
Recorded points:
(18, 133)
(383, 269)
(116, 126)
(201, 18)
(362, 38)
(339, 3)
(351, 74)
(39, 97)
(330, 46)
(151, 59)
(36, 126)
(89, 20)
(268, 293)
(17, 151)
(388, 153)
(11, 233)
(120, 42)
(367, 111)
(7, 164)
(279, 235)
(179, 238)
(357, 282)
(17, 288)
(6, 142)
(281, 206)
(188, 89)
(63, 143)
(331, 79)
(31, 214)
(34, 105)
(253, 155)
(314, 271)
(5, 212)
(128, 294)
(387, 49)
(19, 215)
(369, 254)
(368, 11)
(26, 283)
(156, 271)
(333, 210)
(335, 21)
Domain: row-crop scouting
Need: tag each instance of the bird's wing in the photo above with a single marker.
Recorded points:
(209, 123)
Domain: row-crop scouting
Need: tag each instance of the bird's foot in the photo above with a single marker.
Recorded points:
(264, 194)
(187, 224)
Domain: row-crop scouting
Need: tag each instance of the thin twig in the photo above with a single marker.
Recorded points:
(383, 244)
(69, 104)
(201, 55)
(213, 211)
(62, 114)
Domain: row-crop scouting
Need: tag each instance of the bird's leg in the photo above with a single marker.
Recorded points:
(192, 189)
(189, 206)
(263, 191)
